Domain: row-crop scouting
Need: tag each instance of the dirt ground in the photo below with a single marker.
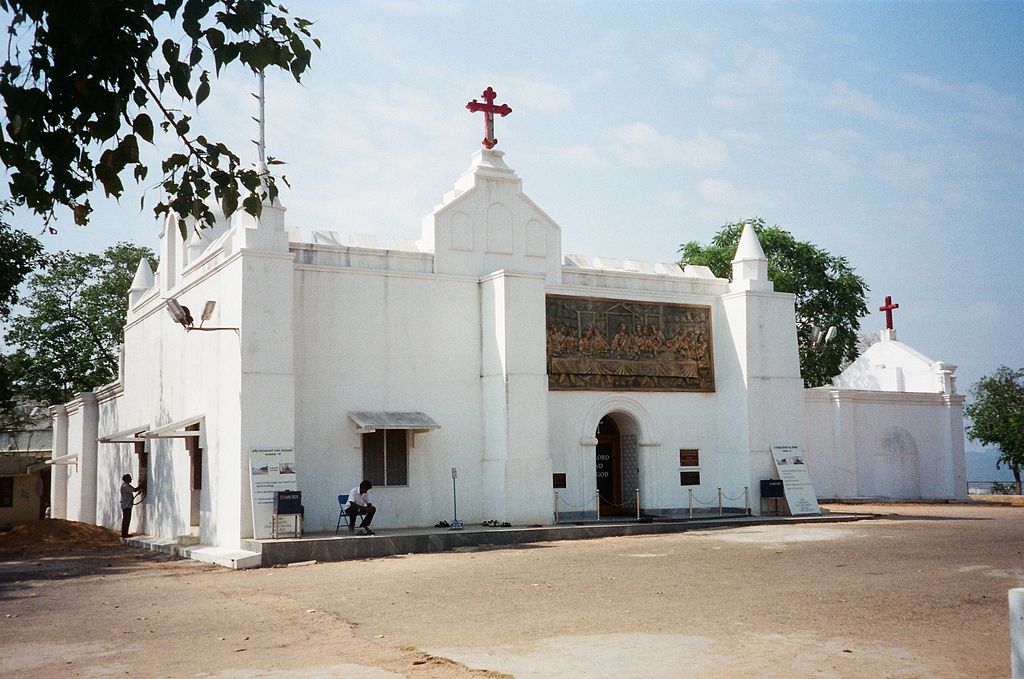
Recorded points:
(918, 591)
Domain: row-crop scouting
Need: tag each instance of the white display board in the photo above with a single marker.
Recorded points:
(796, 480)
(270, 470)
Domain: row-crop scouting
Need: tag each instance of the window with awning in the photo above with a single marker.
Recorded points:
(386, 438)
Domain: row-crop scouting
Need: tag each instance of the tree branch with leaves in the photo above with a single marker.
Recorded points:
(996, 413)
(84, 80)
(827, 291)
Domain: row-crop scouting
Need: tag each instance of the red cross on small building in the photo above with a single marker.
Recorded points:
(889, 306)
(489, 110)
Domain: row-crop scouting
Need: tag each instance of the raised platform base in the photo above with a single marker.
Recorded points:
(328, 547)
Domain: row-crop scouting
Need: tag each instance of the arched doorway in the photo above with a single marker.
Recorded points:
(608, 466)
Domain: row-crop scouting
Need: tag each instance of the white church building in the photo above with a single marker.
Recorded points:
(550, 382)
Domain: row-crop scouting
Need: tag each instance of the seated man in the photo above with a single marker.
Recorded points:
(357, 499)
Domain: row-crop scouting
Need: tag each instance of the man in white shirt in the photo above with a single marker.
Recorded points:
(358, 500)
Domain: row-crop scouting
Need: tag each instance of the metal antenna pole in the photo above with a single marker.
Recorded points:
(261, 123)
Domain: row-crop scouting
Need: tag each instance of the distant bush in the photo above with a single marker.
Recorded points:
(1003, 488)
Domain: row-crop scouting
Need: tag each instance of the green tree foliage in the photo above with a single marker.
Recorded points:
(87, 81)
(67, 339)
(19, 253)
(828, 292)
(996, 412)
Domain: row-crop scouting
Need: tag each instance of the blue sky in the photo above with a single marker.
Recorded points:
(891, 133)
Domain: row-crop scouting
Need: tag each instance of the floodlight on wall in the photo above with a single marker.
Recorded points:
(208, 310)
(181, 315)
(815, 335)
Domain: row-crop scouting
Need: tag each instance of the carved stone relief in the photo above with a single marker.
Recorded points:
(608, 344)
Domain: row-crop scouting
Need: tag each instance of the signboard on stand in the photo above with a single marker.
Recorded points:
(270, 470)
(796, 480)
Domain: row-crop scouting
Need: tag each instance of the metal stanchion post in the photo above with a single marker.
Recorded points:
(719, 501)
(556, 506)
(597, 503)
(746, 500)
(689, 492)
(637, 504)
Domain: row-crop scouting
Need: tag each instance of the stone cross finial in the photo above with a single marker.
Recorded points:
(489, 110)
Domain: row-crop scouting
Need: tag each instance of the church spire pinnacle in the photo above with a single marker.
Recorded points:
(750, 266)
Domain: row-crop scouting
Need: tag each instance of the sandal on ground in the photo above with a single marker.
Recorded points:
(441, 524)
(506, 525)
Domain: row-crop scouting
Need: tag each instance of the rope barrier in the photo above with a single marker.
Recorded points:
(718, 500)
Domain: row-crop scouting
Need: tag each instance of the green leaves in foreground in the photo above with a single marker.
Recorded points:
(86, 82)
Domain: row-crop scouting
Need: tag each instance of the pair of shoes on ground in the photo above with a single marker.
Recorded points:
(495, 524)
(442, 524)
(364, 531)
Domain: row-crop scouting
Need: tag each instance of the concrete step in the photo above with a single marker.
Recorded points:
(222, 556)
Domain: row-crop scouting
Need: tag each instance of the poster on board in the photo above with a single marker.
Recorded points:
(796, 480)
(270, 470)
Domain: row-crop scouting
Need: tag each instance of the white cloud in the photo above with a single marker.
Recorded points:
(982, 311)
(758, 70)
(724, 200)
(743, 137)
(978, 96)
(543, 96)
(421, 7)
(990, 110)
(641, 144)
(779, 18)
(580, 155)
(902, 172)
(841, 97)
(838, 164)
(687, 68)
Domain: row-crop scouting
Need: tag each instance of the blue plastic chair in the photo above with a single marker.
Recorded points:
(342, 516)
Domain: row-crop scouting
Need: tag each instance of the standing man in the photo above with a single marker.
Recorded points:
(128, 492)
(359, 502)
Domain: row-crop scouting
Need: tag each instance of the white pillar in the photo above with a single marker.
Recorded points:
(1017, 632)
(59, 472)
(87, 457)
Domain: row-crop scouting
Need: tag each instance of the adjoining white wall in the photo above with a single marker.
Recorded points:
(894, 446)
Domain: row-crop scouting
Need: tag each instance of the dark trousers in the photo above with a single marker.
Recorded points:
(126, 520)
(353, 510)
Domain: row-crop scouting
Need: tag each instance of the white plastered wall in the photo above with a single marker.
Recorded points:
(895, 446)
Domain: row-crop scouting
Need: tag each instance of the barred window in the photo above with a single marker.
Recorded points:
(386, 457)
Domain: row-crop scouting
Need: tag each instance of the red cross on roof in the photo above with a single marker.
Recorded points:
(489, 109)
(889, 306)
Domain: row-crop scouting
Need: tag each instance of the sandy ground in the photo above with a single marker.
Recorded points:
(919, 591)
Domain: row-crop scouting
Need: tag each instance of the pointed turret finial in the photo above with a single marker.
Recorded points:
(142, 283)
(749, 246)
(750, 266)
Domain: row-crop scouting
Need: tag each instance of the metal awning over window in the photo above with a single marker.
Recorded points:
(176, 430)
(64, 459)
(134, 435)
(371, 420)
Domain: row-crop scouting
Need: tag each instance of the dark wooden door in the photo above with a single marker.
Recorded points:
(609, 466)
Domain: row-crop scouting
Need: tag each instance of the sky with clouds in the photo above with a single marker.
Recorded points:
(890, 133)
